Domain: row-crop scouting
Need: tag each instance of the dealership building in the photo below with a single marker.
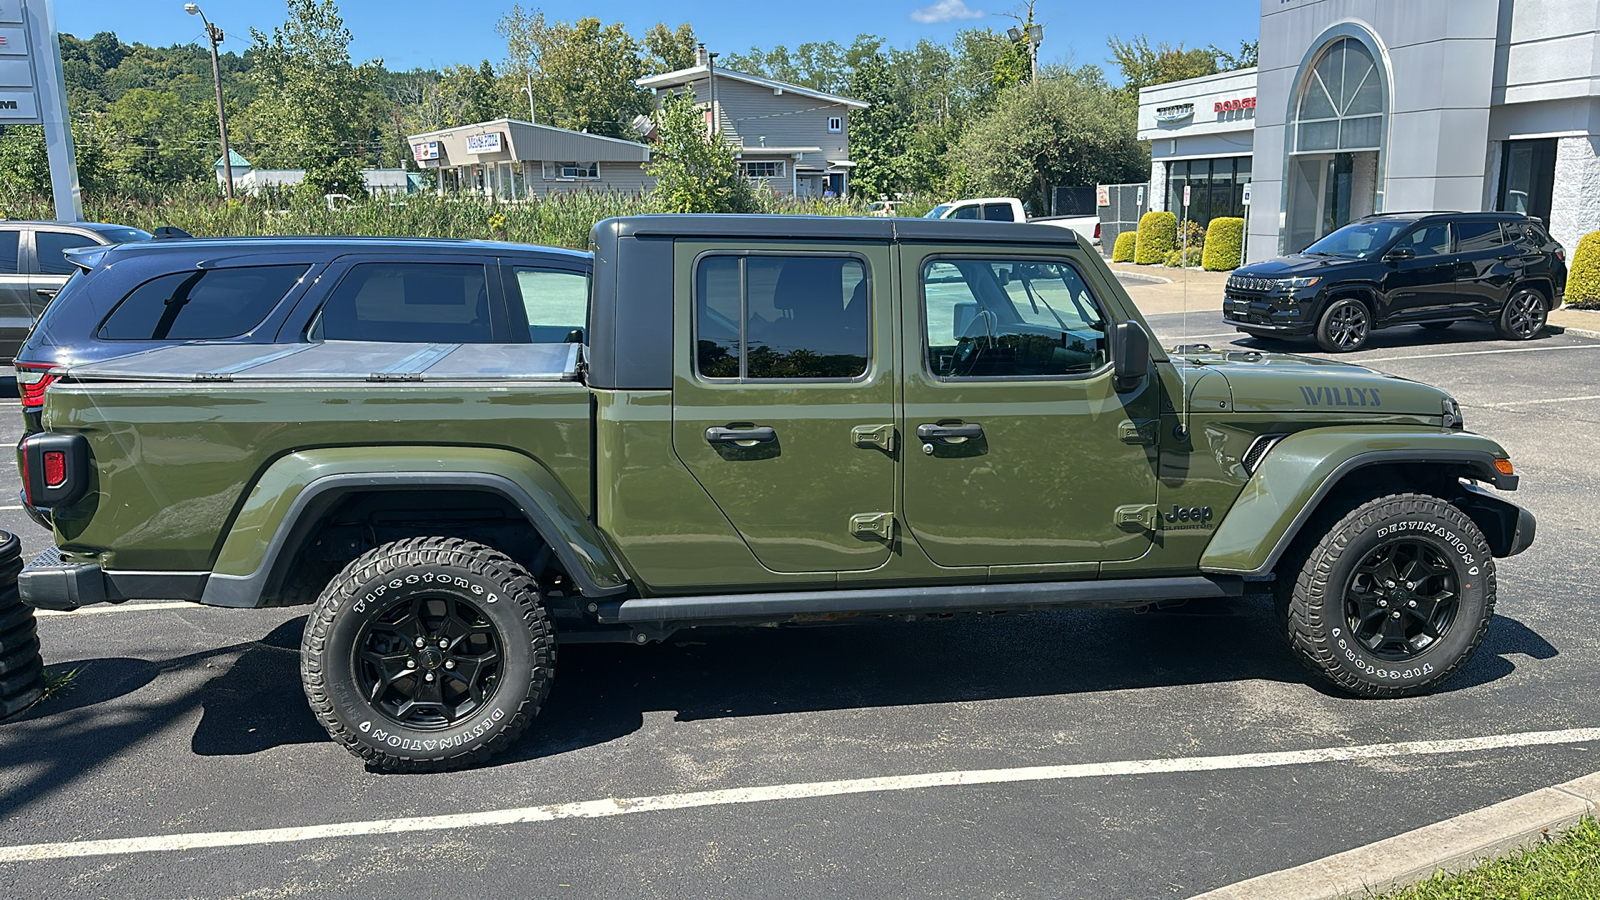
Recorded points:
(1363, 106)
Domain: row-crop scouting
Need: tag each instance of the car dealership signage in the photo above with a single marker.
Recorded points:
(1237, 104)
(33, 92)
(1176, 113)
(484, 143)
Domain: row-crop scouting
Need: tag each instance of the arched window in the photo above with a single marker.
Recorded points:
(1341, 105)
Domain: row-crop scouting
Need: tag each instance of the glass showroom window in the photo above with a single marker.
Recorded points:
(1341, 104)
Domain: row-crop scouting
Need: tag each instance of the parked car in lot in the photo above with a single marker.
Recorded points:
(33, 267)
(137, 297)
(1010, 209)
(1428, 269)
(772, 420)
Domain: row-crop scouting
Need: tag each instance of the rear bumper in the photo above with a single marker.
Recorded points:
(48, 582)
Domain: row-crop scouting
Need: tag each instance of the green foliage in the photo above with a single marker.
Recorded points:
(1224, 246)
(824, 66)
(669, 50)
(1158, 233)
(1565, 869)
(1183, 258)
(340, 176)
(583, 72)
(1052, 132)
(1583, 280)
(696, 172)
(1123, 250)
(879, 133)
(25, 161)
(1143, 65)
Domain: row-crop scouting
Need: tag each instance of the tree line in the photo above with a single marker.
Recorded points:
(962, 117)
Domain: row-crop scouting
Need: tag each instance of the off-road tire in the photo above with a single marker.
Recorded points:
(1332, 334)
(21, 669)
(1524, 317)
(495, 587)
(1314, 602)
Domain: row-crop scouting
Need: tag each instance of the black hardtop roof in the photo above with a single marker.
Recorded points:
(335, 243)
(835, 228)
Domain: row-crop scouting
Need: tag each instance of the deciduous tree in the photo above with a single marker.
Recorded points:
(694, 172)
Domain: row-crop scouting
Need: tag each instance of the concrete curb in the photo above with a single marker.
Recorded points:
(1450, 846)
(1140, 276)
(1580, 332)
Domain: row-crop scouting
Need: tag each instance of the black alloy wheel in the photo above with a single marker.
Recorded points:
(1524, 316)
(428, 662)
(1344, 327)
(1401, 599)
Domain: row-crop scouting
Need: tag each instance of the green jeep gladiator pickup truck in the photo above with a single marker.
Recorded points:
(769, 420)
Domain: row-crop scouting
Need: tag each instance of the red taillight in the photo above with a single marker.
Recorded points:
(1097, 231)
(32, 380)
(55, 468)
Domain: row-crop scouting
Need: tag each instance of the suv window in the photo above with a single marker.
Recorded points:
(408, 303)
(1428, 240)
(998, 212)
(556, 302)
(10, 240)
(205, 304)
(802, 317)
(1010, 318)
(49, 245)
(1472, 237)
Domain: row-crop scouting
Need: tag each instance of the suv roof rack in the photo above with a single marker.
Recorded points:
(168, 232)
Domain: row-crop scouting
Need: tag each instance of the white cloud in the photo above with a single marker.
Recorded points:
(945, 11)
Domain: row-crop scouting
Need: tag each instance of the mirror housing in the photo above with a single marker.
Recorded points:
(1400, 254)
(1130, 355)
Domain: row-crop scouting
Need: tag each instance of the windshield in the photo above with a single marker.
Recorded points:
(1359, 240)
(938, 211)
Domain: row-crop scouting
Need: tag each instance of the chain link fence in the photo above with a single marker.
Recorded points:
(1126, 203)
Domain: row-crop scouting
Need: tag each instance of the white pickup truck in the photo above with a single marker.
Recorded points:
(1010, 209)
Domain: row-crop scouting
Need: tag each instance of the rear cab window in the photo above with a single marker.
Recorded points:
(554, 303)
(410, 302)
(201, 304)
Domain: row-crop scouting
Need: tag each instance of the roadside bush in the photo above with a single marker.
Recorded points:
(1224, 245)
(1158, 233)
(1583, 281)
(1186, 260)
(1195, 232)
(1123, 250)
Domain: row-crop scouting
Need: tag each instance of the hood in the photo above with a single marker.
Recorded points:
(1293, 264)
(1281, 382)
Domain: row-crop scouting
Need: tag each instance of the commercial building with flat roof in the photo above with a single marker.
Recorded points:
(510, 159)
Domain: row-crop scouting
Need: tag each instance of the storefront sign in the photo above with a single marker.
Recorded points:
(483, 143)
(1236, 105)
(425, 150)
(1176, 113)
(33, 92)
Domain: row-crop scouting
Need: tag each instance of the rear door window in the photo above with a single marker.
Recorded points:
(10, 243)
(965, 212)
(203, 304)
(445, 303)
(998, 212)
(48, 247)
(554, 301)
(1473, 237)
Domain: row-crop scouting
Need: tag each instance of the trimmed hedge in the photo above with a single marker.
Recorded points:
(1124, 249)
(1158, 236)
(1583, 281)
(1224, 245)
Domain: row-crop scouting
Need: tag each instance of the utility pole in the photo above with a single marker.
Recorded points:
(214, 34)
(711, 73)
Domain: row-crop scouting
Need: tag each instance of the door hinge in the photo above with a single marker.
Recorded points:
(1138, 432)
(880, 436)
(880, 524)
(1136, 518)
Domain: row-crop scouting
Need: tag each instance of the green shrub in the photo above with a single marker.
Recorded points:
(1158, 233)
(1124, 248)
(1224, 245)
(1583, 281)
(1195, 231)
(1180, 259)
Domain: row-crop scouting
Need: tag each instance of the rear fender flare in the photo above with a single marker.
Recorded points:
(291, 495)
(1303, 469)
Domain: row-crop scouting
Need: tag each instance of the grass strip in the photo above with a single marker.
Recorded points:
(1565, 868)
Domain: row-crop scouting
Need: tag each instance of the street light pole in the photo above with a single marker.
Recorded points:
(214, 34)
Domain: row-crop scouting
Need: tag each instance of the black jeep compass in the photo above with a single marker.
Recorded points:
(1428, 269)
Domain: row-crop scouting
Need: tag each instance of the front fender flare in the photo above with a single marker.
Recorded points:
(1303, 468)
(297, 488)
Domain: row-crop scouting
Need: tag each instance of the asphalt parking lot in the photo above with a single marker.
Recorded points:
(1071, 754)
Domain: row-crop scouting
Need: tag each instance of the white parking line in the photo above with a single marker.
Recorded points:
(599, 809)
(120, 607)
(10, 508)
(1373, 359)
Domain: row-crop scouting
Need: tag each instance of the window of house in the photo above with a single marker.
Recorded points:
(558, 170)
(835, 124)
(989, 318)
(408, 303)
(763, 168)
(48, 247)
(555, 301)
(201, 304)
(781, 317)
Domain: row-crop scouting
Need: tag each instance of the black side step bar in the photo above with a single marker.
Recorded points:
(786, 605)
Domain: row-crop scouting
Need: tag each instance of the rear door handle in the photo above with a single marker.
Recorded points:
(944, 432)
(763, 434)
(47, 293)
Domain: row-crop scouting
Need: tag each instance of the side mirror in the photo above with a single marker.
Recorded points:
(1399, 254)
(1130, 355)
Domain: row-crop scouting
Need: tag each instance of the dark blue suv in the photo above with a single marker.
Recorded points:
(135, 297)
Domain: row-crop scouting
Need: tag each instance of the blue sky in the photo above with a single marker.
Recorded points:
(407, 33)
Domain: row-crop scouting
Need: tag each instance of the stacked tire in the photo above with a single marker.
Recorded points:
(21, 669)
